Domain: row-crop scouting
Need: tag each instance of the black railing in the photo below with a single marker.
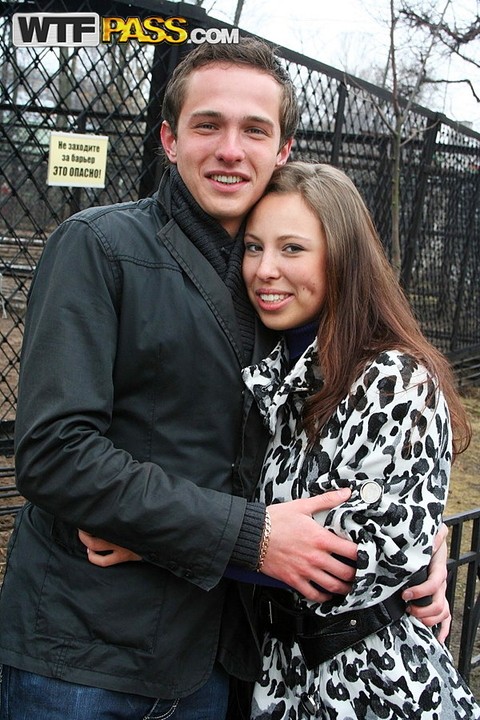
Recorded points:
(463, 588)
(466, 365)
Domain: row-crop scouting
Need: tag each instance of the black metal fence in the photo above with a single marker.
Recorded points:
(462, 591)
(115, 89)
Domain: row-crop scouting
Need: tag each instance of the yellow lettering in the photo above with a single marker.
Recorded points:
(153, 29)
(153, 25)
(174, 24)
(133, 31)
(110, 25)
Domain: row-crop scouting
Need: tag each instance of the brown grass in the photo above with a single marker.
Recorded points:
(465, 480)
(464, 495)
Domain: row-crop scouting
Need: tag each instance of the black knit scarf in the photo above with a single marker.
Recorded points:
(222, 252)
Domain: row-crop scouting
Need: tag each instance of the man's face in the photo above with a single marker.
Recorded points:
(228, 139)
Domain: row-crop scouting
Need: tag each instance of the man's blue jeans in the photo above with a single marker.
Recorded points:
(25, 696)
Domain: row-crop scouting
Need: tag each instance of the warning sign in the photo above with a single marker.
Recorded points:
(77, 160)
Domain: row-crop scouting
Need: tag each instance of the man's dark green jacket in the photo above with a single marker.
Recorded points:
(130, 424)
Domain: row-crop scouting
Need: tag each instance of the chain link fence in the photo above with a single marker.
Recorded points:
(440, 191)
(115, 89)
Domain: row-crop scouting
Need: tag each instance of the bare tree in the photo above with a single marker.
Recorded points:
(238, 9)
(457, 39)
(406, 81)
(420, 42)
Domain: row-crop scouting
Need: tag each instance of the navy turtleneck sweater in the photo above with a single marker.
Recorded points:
(298, 339)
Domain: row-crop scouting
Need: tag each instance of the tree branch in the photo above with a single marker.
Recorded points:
(454, 82)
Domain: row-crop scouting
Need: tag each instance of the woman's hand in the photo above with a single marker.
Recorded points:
(103, 553)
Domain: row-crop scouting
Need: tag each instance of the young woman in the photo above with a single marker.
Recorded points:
(354, 396)
(365, 408)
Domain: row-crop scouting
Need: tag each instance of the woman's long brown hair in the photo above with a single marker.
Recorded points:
(365, 310)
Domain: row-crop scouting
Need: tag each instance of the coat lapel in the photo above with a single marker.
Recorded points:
(206, 280)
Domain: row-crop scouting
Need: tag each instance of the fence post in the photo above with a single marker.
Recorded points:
(339, 120)
(416, 221)
(2, 297)
(467, 248)
(471, 609)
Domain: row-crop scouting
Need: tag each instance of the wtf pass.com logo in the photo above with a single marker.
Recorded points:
(89, 30)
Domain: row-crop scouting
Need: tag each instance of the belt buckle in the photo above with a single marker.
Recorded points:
(309, 704)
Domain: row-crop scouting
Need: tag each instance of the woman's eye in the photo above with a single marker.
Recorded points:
(292, 249)
(252, 247)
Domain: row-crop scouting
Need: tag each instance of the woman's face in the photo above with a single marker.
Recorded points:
(285, 261)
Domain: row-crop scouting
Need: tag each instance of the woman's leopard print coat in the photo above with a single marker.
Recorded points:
(392, 431)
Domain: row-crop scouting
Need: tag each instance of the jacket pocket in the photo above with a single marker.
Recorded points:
(119, 605)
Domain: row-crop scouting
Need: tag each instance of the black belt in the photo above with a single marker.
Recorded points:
(320, 638)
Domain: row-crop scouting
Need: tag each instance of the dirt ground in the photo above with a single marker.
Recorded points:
(464, 495)
(465, 479)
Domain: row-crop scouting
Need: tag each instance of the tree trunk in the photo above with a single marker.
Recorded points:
(238, 11)
(396, 173)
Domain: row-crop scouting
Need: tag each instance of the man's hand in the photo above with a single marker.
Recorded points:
(438, 611)
(103, 553)
(301, 552)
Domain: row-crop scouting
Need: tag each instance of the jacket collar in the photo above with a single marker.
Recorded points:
(206, 279)
(271, 382)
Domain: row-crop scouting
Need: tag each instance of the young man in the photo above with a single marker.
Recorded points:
(131, 426)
